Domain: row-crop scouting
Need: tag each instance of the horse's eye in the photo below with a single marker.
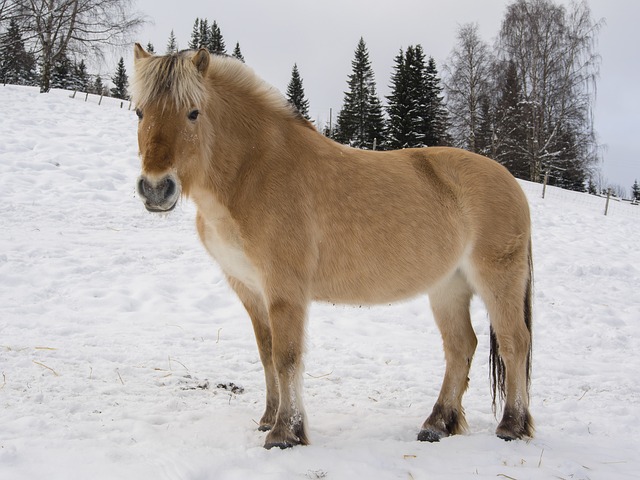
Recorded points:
(139, 113)
(193, 115)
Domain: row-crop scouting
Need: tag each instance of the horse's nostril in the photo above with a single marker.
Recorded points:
(143, 187)
(169, 187)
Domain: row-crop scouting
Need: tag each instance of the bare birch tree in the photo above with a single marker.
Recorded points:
(468, 76)
(553, 49)
(4, 8)
(61, 27)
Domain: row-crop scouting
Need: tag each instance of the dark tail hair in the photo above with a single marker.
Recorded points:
(496, 365)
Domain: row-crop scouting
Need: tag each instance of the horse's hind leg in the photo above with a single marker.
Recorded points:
(506, 294)
(450, 305)
(257, 310)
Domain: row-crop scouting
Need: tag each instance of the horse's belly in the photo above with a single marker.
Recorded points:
(352, 293)
(370, 268)
(375, 281)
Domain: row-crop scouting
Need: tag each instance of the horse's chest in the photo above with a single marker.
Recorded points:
(222, 240)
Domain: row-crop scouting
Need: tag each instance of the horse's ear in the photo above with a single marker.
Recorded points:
(139, 52)
(201, 60)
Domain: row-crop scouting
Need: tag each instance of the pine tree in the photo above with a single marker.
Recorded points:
(435, 120)
(194, 43)
(326, 130)
(120, 81)
(62, 73)
(571, 174)
(150, 48)
(398, 125)
(98, 86)
(417, 115)
(404, 103)
(237, 53)
(80, 77)
(419, 95)
(375, 132)
(399, 109)
(172, 44)
(510, 124)
(205, 34)
(17, 66)
(360, 122)
(484, 140)
(216, 42)
(635, 191)
(295, 93)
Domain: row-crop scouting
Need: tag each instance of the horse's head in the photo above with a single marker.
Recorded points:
(169, 96)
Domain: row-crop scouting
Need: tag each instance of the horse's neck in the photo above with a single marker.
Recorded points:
(240, 142)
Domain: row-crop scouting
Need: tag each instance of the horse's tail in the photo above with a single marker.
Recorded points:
(496, 364)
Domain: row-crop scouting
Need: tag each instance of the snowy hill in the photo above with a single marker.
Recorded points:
(118, 337)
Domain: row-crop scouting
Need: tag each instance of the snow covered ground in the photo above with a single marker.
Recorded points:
(118, 336)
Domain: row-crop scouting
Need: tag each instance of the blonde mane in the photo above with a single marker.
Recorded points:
(171, 76)
(232, 72)
(175, 77)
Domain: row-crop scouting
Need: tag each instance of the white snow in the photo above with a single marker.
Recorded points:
(116, 328)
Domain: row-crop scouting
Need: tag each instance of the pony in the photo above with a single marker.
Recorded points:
(293, 217)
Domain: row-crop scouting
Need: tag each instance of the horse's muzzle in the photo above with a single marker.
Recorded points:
(159, 195)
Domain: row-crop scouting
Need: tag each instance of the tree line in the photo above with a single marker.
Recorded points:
(525, 101)
(51, 35)
(20, 66)
(415, 114)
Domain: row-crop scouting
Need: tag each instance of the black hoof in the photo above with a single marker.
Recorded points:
(515, 425)
(280, 445)
(442, 422)
(430, 435)
(286, 437)
(506, 438)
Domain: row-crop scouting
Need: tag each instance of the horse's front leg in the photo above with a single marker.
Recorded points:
(450, 305)
(287, 319)
(257, 310)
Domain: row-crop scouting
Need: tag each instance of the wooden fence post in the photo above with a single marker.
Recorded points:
(544, 185)
(606, 205)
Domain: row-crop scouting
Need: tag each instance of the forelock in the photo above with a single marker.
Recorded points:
(168, 78)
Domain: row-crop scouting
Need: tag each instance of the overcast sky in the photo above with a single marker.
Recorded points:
(321, 37)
